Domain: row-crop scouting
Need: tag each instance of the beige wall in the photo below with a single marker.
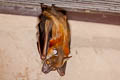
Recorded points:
(95, 50)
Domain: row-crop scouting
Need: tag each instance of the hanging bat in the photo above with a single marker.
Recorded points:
(54, 39)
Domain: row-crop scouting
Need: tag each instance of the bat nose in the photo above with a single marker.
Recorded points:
(44, 71)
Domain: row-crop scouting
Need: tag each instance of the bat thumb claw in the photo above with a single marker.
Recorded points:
(43, 57)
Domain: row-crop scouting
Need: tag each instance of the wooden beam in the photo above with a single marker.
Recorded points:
(104, 11)
(32, 7)
(102, 17)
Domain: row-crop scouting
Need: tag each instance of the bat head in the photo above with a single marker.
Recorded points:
(53, 63)
(49, 64)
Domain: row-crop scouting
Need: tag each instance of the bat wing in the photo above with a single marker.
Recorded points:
(45, 33)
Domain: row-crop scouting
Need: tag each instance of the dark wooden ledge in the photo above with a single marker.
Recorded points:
(101, 11)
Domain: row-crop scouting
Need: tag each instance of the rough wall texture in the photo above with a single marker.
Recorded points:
(95, 50)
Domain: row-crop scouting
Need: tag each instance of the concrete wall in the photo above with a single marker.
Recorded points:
(95, 51)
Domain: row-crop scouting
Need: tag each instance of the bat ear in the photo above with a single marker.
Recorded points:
(66, 58)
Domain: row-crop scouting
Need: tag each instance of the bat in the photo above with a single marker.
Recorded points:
(53, 39)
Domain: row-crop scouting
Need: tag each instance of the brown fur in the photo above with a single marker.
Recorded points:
(56, 22)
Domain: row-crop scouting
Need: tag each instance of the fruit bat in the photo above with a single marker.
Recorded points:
(53, 39)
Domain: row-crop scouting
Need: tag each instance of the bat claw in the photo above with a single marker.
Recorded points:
(43, 57)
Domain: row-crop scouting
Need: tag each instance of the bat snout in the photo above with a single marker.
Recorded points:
(46, 68)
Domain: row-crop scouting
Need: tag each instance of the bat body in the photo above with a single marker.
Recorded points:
(54, 39)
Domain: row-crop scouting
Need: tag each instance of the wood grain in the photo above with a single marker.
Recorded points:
(104, 11)
(32, 7)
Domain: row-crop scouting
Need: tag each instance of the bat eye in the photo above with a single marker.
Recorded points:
(47, 62)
